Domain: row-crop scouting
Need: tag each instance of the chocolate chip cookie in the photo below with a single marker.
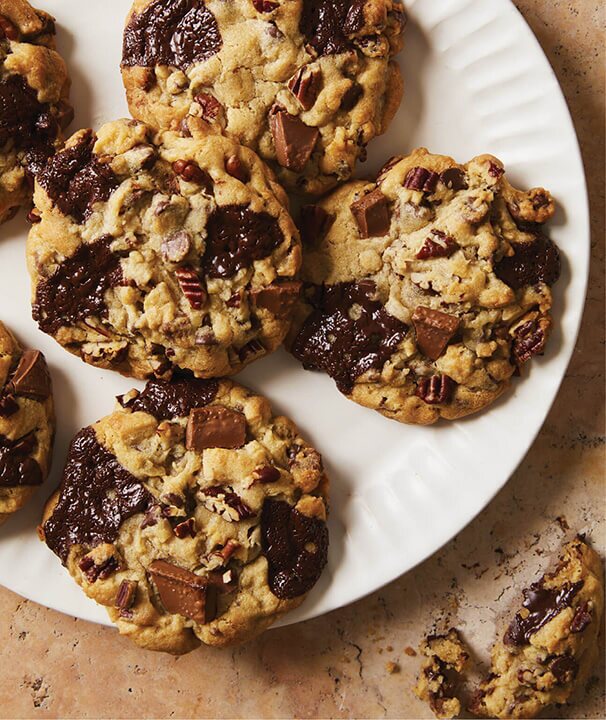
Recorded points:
(157, 250)
(550, 647)
(34, 108)
(306, 83)
(192, 513)
(26, 423)
(426, 290)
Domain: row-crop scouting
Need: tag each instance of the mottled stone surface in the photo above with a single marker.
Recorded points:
(339, 665)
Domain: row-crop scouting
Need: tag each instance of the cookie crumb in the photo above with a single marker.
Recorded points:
(411, 652)
(392, 667)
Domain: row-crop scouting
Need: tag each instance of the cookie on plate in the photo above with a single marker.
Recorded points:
(551, 646)
(26, 423)
(156, 250)
(34, 108)
(306, 83)
(192, 513)
(426, 290)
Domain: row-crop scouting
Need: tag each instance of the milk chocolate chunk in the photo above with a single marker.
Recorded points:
(77, 288)
(168, 399)
(278, 298)
(328, 24)
(97, 494)
(531, 263)
(421, 179)
(434, 330)
(215, 427)
(293, 139)
(17, 468)
(305, 86)
(181, 591)
(177, 33)
(296, 548)
(371, 212)
(31, 378)
(314, 223)
(75, 179)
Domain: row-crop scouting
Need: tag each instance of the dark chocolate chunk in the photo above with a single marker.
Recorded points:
(231, 499)
(96, 496)
(75, 179)
(348, 333)
(328, 24)
(191, 285)
(236, 238)
(454, 179)
(177, 33)
(278, 298)
(293, 139)
(77, 288)
(8, 405)
(305, 85)
(371, 212)
(168, 399)
(437, 245)
(181, 591)
(434, 330)
(215, 427)
(419, 178)
(564, 668)
(17, 468)
(582, 618)
(542, 605)
(31, 378)
(314, 223)
(529, 340)
(532, 262)
(296, 548)
(435, 390)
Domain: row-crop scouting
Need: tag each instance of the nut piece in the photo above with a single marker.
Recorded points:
(125, 597)
(191, 286)
(215, 426)
(436, 390)
(193, 173)
(438, 245)
(371, 212)
(434, 330)
(293, 139)
(234, 166)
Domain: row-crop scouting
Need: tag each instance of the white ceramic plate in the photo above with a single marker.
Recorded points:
(476, 81)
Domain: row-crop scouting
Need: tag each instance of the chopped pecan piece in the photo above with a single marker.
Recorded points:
(305, 86)
(221, 500)
(94, 572)
(191, 285)
(125, 597)
(435, 390)
(185, 528)
(438, 245)
(265, 6)
(211, 107)
(529, 339)
(266, 474)
(236, 168)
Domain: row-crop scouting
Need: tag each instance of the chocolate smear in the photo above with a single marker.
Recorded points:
(168, 399)
(328, 24)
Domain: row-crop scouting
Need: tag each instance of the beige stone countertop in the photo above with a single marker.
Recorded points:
(337, 665)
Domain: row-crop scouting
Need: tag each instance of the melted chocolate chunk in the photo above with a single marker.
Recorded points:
(348, 333)
(75, 179)
(17, 468)
(77, 288)
(178, 33)
(531, 263)
(96, 496)
(236, 238)
(168, 399)
(327, 24)
(296, 548)
(564, 668)
(542, 604)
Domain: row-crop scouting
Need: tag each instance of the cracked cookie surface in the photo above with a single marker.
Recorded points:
(34, 108)
(157, 251)
(26, 423)
(551, 646)
(206, 518)
(305, 83)
(425, 291)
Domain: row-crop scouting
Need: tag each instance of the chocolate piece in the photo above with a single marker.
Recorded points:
(235, 167)
(96, 496)
(532, 262)
(191, 286)
(438, 245)
(351, 97)
(371, 212)
(314, 223)
(454, 179)
(94, 572)
(176, 247)
(266, 474)
(181, 591)
(541, 605)
(435, 390)
(305, 85)
(278, 298)
(434, 330)
(7, 29)
(231, 499)
(582, 618)
(293, 139)
(421, 179)
(264, 6)
(31, 378)
(177, 33)
(215, 427)
(529, 340)
(77, 288)
(296, 548)
(17, 468)
(33, 217)
(125, 597)
(564, 668)
(328, 24)
(168, 399)
(236, 238)
(75, 179)
(348, 333)
(185, 528)
(495, 171)
(8, 405)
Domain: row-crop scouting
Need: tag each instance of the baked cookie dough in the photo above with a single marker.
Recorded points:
(192, 513)
(306, 83)
(34, 108)
(426, 290)
(551, 646)
(26, 423)
(158, 250)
